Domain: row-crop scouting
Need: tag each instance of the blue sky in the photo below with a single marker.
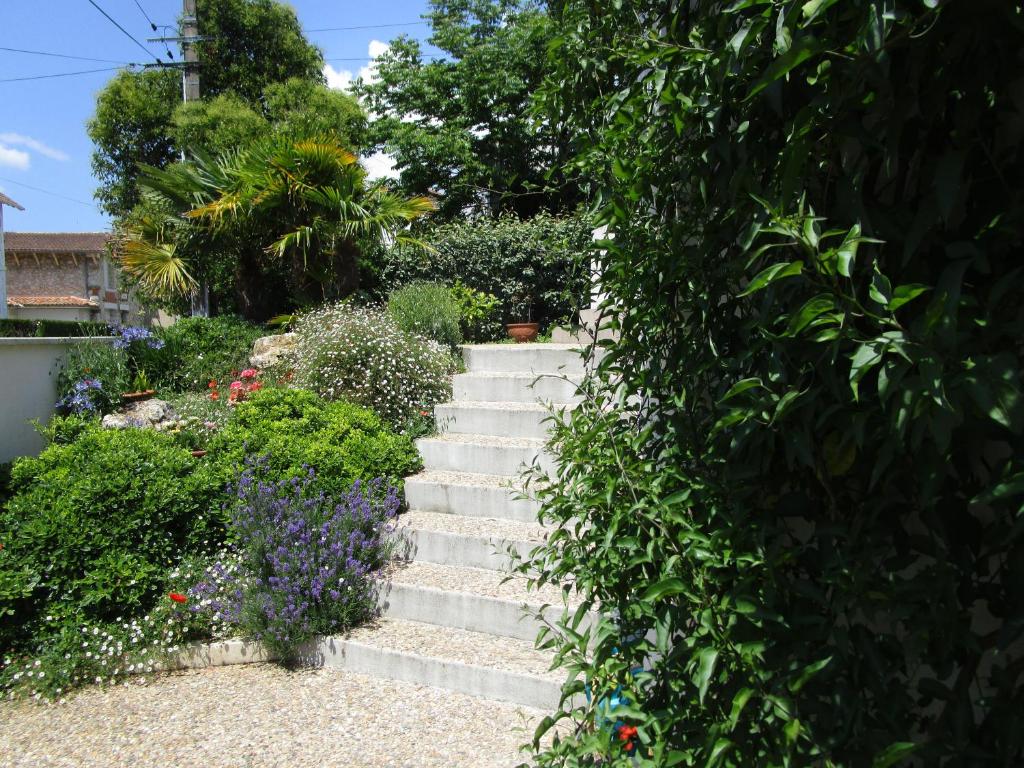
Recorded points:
(43, 144)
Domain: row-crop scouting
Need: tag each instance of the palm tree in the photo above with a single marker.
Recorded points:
(297, 208)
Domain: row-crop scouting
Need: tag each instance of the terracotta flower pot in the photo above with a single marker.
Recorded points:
(199, 454)
(135, 397)
(523, 332)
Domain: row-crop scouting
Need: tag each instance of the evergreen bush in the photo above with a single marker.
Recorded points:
(795, 487)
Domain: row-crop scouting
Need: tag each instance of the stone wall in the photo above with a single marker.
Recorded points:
(65, 278)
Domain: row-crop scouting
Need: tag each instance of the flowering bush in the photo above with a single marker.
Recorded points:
(199, 349)
(359, 354)
(84, 398)
(75, 652)
(125, 337)
(306, 561)
(240, 388)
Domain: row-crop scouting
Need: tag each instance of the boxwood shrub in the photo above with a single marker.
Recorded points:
(297, 430)
(92, 526)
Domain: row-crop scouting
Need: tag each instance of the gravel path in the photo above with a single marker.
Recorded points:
(258, 716)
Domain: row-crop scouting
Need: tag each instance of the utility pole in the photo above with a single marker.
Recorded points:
(4, 200)
(189, 36)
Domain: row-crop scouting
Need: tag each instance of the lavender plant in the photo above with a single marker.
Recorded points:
(306, 563)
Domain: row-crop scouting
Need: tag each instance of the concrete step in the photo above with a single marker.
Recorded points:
(501, 668)
(524, 358)
(468, 542)
(483, 454)
(462, 493)
(474, 599)
(493, 418)
(504, 386)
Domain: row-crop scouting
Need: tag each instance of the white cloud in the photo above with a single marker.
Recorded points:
(34, 144)
(14, 158)
(379, 165)
(341, 79)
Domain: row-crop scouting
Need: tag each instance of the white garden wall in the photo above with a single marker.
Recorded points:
(28, 389)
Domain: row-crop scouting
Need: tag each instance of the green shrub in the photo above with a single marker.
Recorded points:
(16, 327)
(296, 430)
(538, 269)
(201, 349)
(805, 530)
(359, 354)
(93, 525)
(479, 313)
(429, 310)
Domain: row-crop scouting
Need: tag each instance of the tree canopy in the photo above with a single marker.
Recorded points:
(459, 125)
(258, 75)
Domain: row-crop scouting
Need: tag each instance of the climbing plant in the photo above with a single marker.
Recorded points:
(795, 487)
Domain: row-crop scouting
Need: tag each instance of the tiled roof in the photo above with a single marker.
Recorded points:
(50, 301)
(56, 242)
(5, 200)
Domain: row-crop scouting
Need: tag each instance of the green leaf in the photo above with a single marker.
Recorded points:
(881, 289)
(812, 308)
(739, 701)
(813, 8)
(893, 754)
(741, 386)
(706, 661)
(847, 252)
(904, 294)
(770, 274)
(802, 50)
(807, 673)
(664, 588)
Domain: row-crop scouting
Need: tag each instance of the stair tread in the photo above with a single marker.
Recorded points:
(477, 527)
(496, 441)
(526, 348)
(475, 581)
(459, 645)
(443, 477)
(574, 377)
(501, 405)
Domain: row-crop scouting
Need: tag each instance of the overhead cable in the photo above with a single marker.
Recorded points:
(62, 55)
(125, 31)
(61, 74)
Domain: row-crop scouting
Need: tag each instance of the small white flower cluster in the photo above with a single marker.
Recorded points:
(359, 354)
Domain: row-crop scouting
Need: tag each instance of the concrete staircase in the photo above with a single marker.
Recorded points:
(451, 617)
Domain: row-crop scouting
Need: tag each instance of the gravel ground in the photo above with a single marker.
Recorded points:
(258, 716)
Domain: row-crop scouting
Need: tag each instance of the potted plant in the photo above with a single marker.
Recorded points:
(526, 330)
(141, 387)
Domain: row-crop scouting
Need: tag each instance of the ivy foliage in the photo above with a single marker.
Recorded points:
(795, 487)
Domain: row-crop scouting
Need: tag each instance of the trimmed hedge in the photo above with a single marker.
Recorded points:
(18, 328)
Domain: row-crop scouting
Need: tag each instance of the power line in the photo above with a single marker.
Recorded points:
(62, 55)
(125, 31)
(369, 26)
(47, 192)
(374, 58)
(151, 24)
(62, 74)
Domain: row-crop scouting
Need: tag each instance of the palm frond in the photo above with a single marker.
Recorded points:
(157, 267)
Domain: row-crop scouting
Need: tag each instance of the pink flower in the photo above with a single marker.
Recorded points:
(249, 373)
(236, 385)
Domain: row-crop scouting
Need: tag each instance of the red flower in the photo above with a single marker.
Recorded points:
(178, 598)
(214, 395)
(213, 384)
(626, 735)
(424, 413)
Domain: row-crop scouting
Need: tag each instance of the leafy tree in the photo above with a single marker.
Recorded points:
(282, 212)
(305, 108)
(253, 44)
(458, 125)
(130, 127)
(796, 486)
(216, 125)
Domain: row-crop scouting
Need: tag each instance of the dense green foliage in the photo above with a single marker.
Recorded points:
(17, 327)
(297, 430)
(198, 350)
(538, 268)
(282, 213)
(427, 309)
(93, 525)
(458, 125)
(129, 128)
(253, 48)
(96, 361)
(359, 354)
(294, 107)
(805, 527)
